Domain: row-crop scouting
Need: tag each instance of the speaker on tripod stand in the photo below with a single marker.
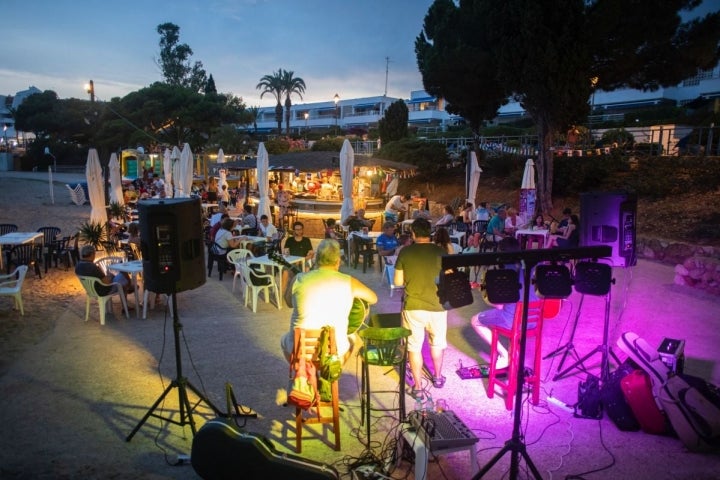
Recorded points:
(173, 261)
(608, 218)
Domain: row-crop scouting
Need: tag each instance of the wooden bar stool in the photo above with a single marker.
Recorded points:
(536, 316)
(306, 342)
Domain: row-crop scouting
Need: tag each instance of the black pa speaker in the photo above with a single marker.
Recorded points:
(608, 218)
(171, 241)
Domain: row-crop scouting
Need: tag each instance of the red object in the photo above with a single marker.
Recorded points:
(535, 315)
(637, 390)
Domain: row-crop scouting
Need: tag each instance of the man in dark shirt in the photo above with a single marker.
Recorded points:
(298, 244)
(86, 267)
(417, 268)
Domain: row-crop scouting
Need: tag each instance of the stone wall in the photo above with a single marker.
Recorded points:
(695, 265)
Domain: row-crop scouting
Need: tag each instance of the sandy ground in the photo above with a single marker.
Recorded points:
(72, 391)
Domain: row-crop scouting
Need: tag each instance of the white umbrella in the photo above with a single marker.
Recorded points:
(473, 178)
(184, 179)
(96, 190)
(167, 170)
(116, 193)
(347, 165)
(392, 187)
(263, 162)
(223, 172)
(527, 192)
(175, 160)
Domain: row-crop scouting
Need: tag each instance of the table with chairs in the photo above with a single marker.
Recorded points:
(362, 244)
(23, 248)
(132, 268)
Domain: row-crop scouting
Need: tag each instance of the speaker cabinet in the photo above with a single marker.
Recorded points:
(608, 218)
(171, 241)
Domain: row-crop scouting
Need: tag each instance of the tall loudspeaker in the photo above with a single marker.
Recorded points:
(608, 218)
(172, 244)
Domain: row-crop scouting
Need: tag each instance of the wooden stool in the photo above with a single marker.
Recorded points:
(536, 316)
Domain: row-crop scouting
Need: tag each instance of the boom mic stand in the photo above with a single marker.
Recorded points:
(182, 384)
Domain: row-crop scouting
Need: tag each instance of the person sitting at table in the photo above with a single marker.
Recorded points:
(468, 214)
(86, 267)
(219, 215)
(570, 237)
(538, 223)
(224, 237)
(513, 222)
(447, 219)
(441, 238)
(387, 242)
(298, 244)
(267, 229)
(323, 297)
(134, 234)
(249, 220)
(496, 226)
(482, 213)
(357, 222)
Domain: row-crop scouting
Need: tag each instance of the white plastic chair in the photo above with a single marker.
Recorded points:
(256, 289)
(236, 257)
(90, 285)
(11, 286)
(389, 276)
(109, 260)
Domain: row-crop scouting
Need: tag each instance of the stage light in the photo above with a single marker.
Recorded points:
(553, 281)
(502, 285)
(593, 278)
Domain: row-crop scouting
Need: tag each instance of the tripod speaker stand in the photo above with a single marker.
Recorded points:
(182, 384)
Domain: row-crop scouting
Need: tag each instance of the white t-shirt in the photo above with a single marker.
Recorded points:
(215, 218)
(321, 297)
(268, 231)
(395, 204)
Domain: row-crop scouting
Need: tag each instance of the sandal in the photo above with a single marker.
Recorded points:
(439, 382)
(417, 394)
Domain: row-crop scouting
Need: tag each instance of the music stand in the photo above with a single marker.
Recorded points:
(182, 384)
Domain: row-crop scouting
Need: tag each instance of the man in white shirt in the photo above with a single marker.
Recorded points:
(397, 204)
(217, 215)
(267, 229)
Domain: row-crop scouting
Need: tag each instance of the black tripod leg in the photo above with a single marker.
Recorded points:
(151, 411)
(204, 399)
(580, 363)
(569, 347)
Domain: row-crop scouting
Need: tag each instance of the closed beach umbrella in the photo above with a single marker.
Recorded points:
(263, 163)
(116, 193)
(96, 188)
(167, 171)
(183, 182)
(527, 192)
(473, 178)
(175, 160)
(223, 172)
(347, 166)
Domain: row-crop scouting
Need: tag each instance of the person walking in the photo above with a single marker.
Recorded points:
(417, 268)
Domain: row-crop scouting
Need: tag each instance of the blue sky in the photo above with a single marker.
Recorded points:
(336, 46)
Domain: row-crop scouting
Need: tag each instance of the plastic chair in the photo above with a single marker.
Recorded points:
(50, 235)
(109, 260)
(26, 254)
(385, 347)
(11, 286)
(91, 284)
(535, 315)
(236, 257)
(364, 247)
(219, 258)
(306, 342)
(389, 276)
(257, 282)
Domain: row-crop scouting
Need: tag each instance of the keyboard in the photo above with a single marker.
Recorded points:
(441, 430)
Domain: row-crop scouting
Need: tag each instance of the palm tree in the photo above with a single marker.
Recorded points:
(273, 84)
(291, 85)
(254, 111)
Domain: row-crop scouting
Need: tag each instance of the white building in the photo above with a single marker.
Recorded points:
(8, 103)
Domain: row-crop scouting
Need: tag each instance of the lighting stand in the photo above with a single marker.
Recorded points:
(182, 384)
(603, 349)
(515, 445)
(569, 347)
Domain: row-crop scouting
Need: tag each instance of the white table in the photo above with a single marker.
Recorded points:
(527, 232)
(17, 238)
(267, 262)
(131, 268)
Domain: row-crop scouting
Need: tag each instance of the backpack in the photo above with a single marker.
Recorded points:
(330, 365)
(303, 386)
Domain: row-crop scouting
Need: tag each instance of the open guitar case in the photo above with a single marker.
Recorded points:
(691, 404)
(220, 450)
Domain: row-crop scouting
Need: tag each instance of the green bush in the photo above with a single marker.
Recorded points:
(277, 145)
(428, 156)
(329, 144)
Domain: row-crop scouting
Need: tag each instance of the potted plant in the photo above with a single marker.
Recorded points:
(92, 233)
(117, 211)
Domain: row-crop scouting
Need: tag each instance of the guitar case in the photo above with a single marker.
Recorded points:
(220, 450)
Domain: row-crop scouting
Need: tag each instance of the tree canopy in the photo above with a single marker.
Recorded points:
(394, 125)
(175, 62)
(550, 54)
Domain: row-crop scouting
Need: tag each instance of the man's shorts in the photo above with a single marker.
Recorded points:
(418, 321)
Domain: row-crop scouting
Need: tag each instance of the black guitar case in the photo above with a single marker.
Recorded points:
(221, 451)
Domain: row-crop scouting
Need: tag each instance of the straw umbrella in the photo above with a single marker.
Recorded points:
(96, 190)
(347, 166)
